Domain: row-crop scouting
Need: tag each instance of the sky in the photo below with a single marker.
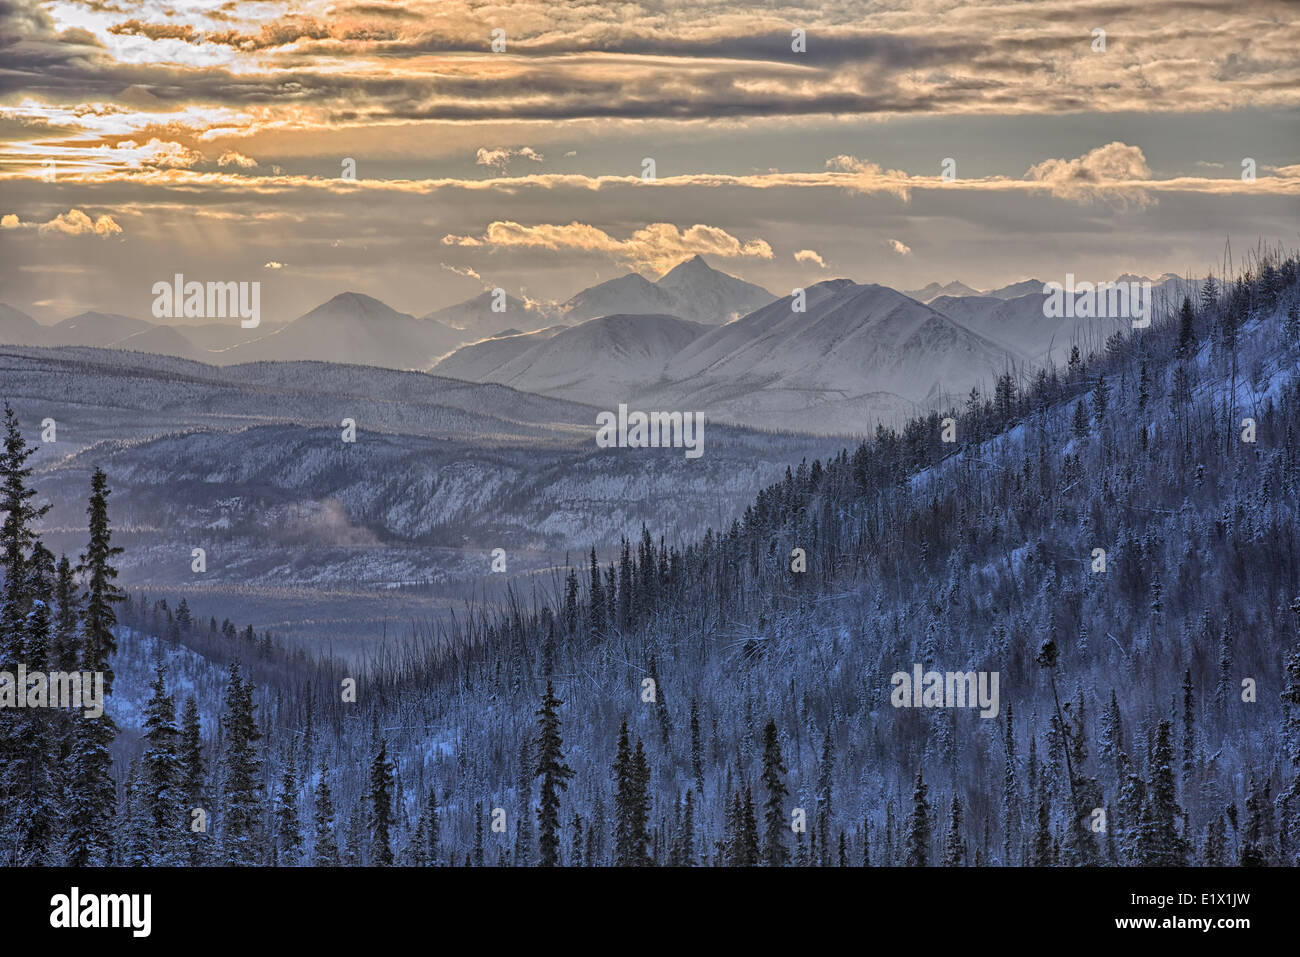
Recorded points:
(421, 151)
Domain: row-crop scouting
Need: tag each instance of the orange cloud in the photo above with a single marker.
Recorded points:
(72, 223)
(659, 245)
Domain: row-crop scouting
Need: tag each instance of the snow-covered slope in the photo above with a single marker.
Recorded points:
(354, 328)
(477, 361)
(600, 361)
(476, 318)
(95, 329)
(859, 353)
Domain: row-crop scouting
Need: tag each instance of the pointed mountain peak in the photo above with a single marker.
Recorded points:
(693, 266)
(354, 305)
(353, 299)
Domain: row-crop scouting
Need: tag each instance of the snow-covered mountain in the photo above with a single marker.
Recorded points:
(476, 317)
(95, 329)
(1019, 327)
(859, 354)
(709, 295)
(19, 329)
(109, 330)
(601, 361)
(934, 291)
(691, 290)
(354, 328)
(477, 361)
(1015, 290)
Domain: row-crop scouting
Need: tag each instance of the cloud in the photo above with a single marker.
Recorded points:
(1115, 173)
(72, 223)
(155, 31)
(462, 271)
(871, 177)
(809, 256)
(901, 248)
(500, 157)
(231, 157)
(659, 245)
(428, 59)
(156, 152)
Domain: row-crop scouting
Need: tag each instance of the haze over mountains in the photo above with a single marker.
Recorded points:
(697, 339)
(299, 526)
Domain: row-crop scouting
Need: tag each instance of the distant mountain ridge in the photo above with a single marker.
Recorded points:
(857, 355)
(692, 290)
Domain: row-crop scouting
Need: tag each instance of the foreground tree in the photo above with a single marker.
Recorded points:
(555, 776)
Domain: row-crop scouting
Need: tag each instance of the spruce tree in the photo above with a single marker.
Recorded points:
(750, 855)
(325, 851)
(954, 851)
(433, 825)
(162, 791)
(94, 795)
(478, 835)
(1011, 822)
(918, 826)
(193, 776)
(624, 796)
(1100, 400)
(596, 600)
(288, 831)
(555, 776)
(1186, 330)
(382, 820)
(17, 538)
(775, 851)
(1044, 846)
(1160, 843)
(241, 785)
(687, 855)
(639, 821)
(697, 747)
(1079, 424)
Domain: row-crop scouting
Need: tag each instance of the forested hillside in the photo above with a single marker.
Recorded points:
(695, 703)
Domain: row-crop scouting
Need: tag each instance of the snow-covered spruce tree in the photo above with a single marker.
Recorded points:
(94, 798)
(17, 538)
(555, 776)
(1160, 843)
(288, 831)
(325, 849)
(954, 849)
(193, 782)
(37, 808)
(162, 780)
(918, 826)
(775, 851)
(382, 820)
(241, 795)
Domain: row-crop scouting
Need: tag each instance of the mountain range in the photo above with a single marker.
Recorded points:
(857, 355)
